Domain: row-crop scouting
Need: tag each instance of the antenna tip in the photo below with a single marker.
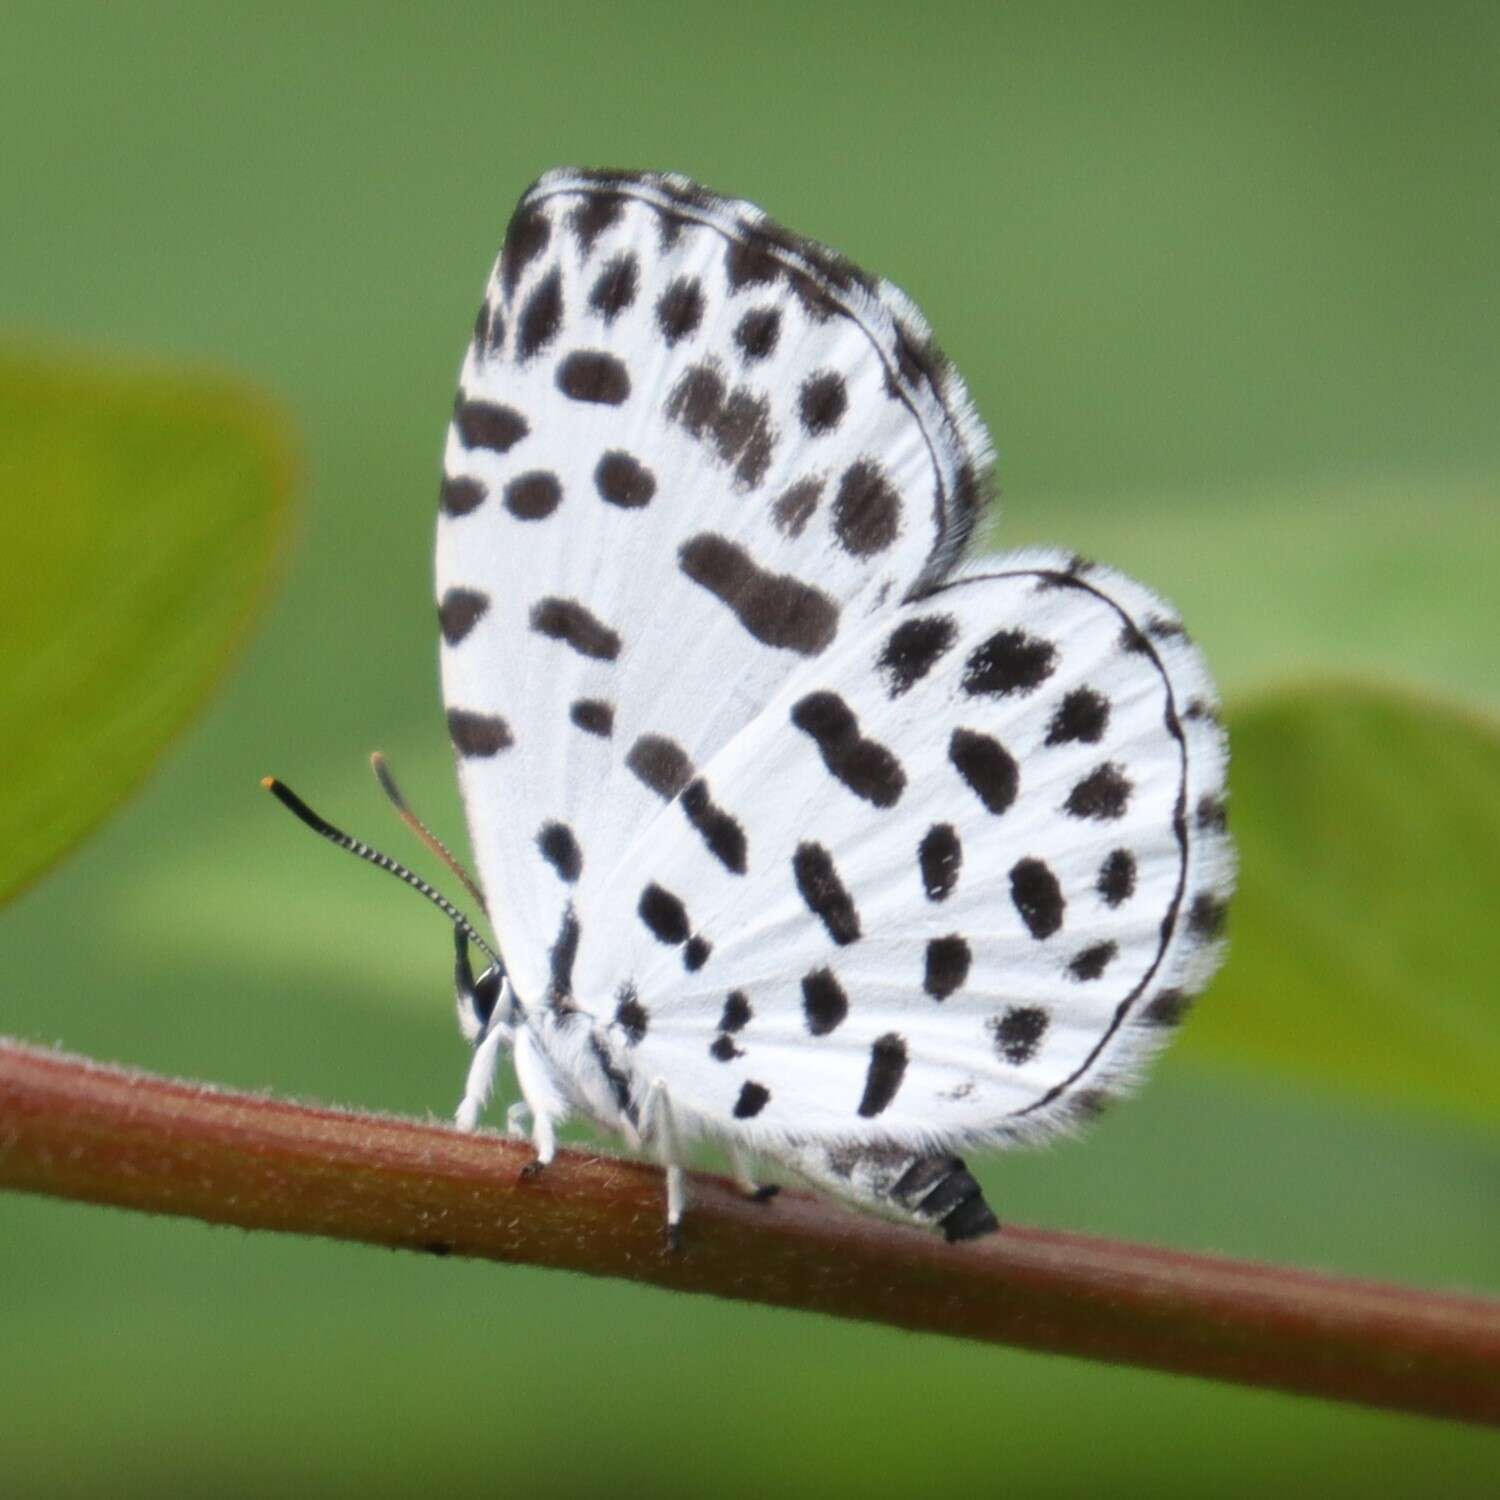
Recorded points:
(269, 782)
(387, 781)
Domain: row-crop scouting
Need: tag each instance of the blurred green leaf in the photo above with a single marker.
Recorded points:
(144, 514)
(1365, 950)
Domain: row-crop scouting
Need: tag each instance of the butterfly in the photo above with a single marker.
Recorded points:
(802, 830)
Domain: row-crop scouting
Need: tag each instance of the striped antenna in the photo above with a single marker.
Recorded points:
(294, 804)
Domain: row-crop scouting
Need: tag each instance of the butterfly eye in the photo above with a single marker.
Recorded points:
(476, 997)
(487, 992)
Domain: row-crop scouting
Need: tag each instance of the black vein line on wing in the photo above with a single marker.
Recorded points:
(1179, 824)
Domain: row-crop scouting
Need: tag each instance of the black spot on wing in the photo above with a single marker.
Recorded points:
(631, 1016)
(460, 611)
(695, 953)
(533, 496)
(568, 621)
(679, 309)
(1037, 897)
(777, 609)
(737, 1012)
(947, 966)
(736, 422)
(863, 765)
(525, 239)
(459, 495)
(562, 957)
(697, 398)
(1206, 916)
(478, 735)
(494, 343)
(987, 766)
(593, 377)
(481, 329)
(749, 263)
(624, 480)
(919, 360)
(1102, 795)
(795, 505)
(757, 332)
(824, 1003)
(722, 1049)
(825, 893)
(866, 510)
(661, 764)
(488, 424)
(560, 849)
(720, 832)
(593, 216)
(883, 1080)
(615, 288)
(940, 856)
(1083, 1106)
(815, 300)
(593, 716)
(1169, 1008)
(1116, 882)
(669, 228)
(1019, 1032)
(541, 316)
(664, 914)
(912, 650)
(1212, 815)
(1091, 962)
(1081, 718)
(1010, 661)
(753, 1098)
(822, 402)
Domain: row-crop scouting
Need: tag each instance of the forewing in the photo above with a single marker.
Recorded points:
(987, 867)
(690, 453)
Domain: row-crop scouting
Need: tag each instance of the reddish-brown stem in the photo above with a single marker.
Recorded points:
(74, 1129)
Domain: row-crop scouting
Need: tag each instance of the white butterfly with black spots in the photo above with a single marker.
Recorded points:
(800, 830)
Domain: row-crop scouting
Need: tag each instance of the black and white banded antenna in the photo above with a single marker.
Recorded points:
(295, 805)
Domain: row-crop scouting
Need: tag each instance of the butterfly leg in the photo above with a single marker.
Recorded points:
(518, 1121)
(659, 1128)
(481, 1080)
(543, 1097)
(759, 1192)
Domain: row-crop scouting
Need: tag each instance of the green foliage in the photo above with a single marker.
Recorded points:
(146, 510)
(1365, 949)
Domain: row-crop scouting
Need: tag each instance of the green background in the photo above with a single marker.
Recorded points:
(1223, 281)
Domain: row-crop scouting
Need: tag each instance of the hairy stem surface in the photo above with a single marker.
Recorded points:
(71, 1128)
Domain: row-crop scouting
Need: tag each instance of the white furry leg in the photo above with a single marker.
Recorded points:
(481, 1080)
(743, 1179)
(543, 1095)
(518, 1121)
(659, 1129)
